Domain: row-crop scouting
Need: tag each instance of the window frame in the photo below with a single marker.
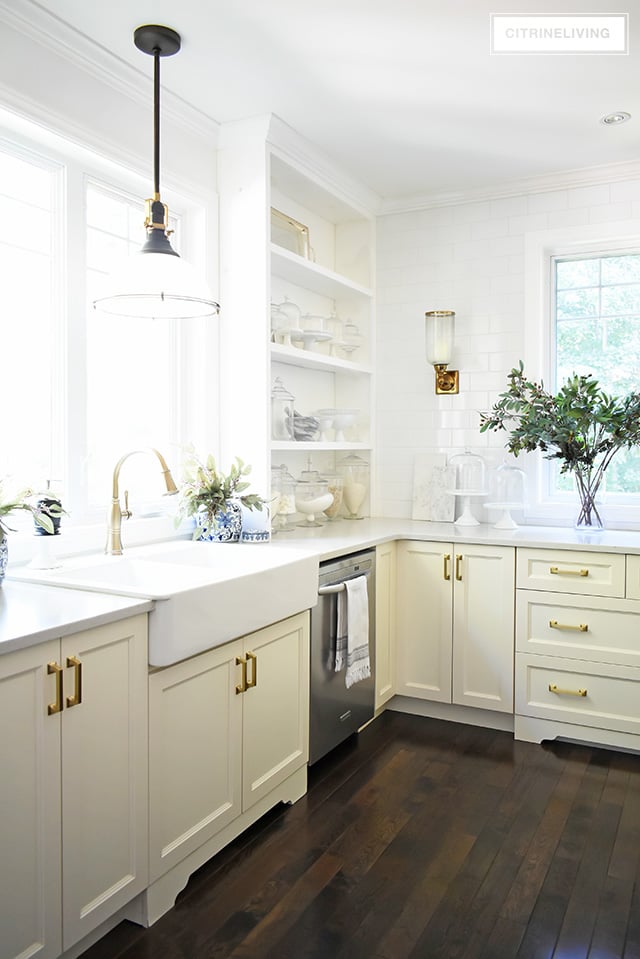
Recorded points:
(547, 506)
(197, 405)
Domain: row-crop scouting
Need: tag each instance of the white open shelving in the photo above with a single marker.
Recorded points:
(263, 166)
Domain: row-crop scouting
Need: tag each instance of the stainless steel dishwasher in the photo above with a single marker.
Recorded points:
(335, 711)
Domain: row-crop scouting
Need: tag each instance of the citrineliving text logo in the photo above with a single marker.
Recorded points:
(560, 33)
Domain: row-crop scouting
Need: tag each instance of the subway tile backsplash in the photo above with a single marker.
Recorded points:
(467, 257)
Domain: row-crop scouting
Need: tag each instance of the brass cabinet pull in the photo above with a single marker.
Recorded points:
(554, 624)
(446, 566)
(57, 706)
(566, 692)
(253, 659)
(568, 572)
(242, 685)
(458, 566)
(76, 699)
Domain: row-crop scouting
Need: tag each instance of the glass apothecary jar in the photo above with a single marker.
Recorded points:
(282, 403)
(355, 477)
(312, 497)
(336, 488)
(283, 482)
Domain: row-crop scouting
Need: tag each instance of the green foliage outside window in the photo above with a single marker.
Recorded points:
(597, 322)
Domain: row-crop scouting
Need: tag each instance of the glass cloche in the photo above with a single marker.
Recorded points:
(470, 480)
(507, 491)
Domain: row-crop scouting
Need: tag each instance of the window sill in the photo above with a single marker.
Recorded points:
(75, 540)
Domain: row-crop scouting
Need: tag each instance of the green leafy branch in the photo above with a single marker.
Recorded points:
(43, 516)
(581, 426)
(206, 489)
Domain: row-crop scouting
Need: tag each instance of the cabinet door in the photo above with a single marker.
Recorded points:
(275, 710)
(385, 622)
(104, 773)
(30, 889)
(195, 743)
(483, 635)
(424, 620)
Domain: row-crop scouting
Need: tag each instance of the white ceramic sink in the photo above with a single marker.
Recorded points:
(206, 593)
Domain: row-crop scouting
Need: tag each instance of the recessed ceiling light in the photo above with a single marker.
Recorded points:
(619, 117)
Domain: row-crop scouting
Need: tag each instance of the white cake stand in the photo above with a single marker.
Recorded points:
(467, 518)
(506, 521)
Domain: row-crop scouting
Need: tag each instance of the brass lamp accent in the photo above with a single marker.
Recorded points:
(439, 329)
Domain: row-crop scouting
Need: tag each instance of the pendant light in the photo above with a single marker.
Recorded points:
(155, 282)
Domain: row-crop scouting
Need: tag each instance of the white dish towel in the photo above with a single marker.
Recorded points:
(352, 631)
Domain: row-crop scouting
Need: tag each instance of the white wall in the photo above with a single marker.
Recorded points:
(67, 83)
(467, 257)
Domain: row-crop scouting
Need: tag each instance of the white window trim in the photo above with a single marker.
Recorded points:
(200, 246)
(539, 348)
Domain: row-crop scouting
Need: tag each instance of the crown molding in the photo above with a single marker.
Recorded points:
(546, 183)
(270, 131)
(44, 28)
(294, 147)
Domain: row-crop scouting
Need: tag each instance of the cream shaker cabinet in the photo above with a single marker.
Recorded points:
(455, 623)
(73, 793)
(577, 653)
(385, 623)
(227, 728)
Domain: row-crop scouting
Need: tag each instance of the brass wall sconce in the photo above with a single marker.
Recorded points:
(439, 329)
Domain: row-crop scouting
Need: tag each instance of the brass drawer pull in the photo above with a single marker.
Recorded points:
(568, 572)
(58, 705)
(76, 699)
(446, 566)
(242, 685)
(582, 628)
(459, 566)
(566, 692)
(253, 659)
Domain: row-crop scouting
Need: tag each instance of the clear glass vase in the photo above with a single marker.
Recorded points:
(589, 519)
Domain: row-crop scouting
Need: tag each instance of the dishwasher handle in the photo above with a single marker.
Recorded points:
(330, 590)
(336, 587)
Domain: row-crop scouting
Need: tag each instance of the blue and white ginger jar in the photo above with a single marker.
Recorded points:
(226, 526)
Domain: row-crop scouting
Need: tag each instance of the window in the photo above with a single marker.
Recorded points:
(582, 315)
(597, 331)
(133, 366)
(84, 389)
(30, 251)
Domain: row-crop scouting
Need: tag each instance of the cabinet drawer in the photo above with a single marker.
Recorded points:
(611, 697)
(592, 628)
(633, 577)
(571, 571)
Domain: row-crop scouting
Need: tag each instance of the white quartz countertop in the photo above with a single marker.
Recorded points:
(345, 536)
(32, 614)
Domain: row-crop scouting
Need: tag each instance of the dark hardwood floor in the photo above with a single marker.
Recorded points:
(423, 839)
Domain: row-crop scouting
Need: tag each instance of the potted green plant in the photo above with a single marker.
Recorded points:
(581, 426)
(45, 512)
(214, 498)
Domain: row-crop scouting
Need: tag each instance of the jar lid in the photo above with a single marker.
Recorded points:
(354, 460)
(279, 390)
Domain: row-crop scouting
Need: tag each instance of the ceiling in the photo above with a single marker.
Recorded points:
(403, 94)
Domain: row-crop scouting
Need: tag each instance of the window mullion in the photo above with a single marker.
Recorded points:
(75, 347)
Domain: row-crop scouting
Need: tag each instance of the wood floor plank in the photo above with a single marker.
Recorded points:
(612, 920)
(422, 839)
(577, 929)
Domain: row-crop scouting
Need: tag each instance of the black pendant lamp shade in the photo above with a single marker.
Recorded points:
(155, 282)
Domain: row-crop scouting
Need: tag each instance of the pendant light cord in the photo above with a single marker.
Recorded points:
(156, 122)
